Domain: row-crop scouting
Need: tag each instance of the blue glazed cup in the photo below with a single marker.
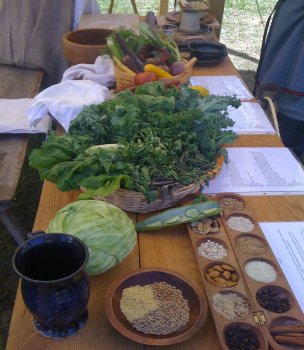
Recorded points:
(54, 285)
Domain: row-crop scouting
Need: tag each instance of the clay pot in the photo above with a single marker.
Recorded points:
(85, 45)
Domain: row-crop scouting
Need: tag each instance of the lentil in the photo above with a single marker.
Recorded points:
(212, 250)
(240, 223)
(170, 314)
(261, 271)
(231, 203)
(238, 338)
(231, 305)
(250, 245)
(273, 300)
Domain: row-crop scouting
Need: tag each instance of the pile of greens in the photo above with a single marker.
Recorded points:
(157, 132)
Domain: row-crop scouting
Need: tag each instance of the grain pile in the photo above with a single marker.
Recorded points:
(231, 203)
(250, 245)
(261, 271)
(212, 250)
(157, 308)
(240, 223)
(231, 305)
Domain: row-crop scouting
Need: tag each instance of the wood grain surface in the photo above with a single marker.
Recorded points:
(15, 83)
(169, 248)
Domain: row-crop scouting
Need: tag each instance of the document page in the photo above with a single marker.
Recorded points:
(229, 85)
(286, 240)
(250, 118)
(259, 170)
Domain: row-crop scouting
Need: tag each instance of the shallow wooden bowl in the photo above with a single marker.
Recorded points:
(196, 301)
(85, 45)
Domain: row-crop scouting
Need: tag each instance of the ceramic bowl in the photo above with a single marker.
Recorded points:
(203, 50)
(196, 302)
(85, 45)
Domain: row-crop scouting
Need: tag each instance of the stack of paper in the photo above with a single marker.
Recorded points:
(250, 118)
(260, 170)
(287, 243)
(229, 85)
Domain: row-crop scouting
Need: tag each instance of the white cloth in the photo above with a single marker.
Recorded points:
(13, 117)
(84, 6)
(64, 101)
(102, 71)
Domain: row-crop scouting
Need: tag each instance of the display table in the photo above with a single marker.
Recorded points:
(169, 248)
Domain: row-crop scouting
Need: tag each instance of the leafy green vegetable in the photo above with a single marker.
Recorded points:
(134, 41)
(161, 132)
(146, 39)
(106, 230)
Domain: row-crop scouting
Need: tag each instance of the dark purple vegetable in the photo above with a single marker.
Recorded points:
(151, 19)
(129, 62)
(140, 65)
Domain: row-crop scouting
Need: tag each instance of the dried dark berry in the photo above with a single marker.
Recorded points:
(238, 338)
(273, 301)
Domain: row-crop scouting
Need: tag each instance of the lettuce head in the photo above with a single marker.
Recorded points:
(106, 230)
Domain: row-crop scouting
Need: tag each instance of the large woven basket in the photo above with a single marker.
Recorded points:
(126, 80)
(136, 202)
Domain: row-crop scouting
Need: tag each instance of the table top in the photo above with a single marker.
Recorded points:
(170, 248)
(15, 82)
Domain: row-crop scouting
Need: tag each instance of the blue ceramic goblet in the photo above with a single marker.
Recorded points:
(55, 288)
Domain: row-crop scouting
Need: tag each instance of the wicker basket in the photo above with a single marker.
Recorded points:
(136, 202)
(126, 80)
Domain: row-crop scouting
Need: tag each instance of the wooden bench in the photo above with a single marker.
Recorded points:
(15, 83)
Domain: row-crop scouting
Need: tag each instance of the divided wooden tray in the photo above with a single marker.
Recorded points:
(259, 320)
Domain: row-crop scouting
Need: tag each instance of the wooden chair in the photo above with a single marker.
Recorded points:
(133, 3)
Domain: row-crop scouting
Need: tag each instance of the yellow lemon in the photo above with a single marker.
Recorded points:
(202, 90)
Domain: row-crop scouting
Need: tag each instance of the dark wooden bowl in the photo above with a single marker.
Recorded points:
(196, 301)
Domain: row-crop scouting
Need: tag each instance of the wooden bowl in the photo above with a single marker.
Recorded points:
(196, 301)
(85, 45)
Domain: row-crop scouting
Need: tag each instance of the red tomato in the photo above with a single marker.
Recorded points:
(144, 77)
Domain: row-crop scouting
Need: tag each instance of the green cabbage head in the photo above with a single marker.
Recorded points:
(107, 231)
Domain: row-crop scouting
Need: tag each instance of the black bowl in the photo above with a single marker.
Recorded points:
(203, 50)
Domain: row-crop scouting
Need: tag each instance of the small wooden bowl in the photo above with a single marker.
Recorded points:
(85, 45)
(196, 301)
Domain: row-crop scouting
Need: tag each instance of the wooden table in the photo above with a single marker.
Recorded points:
(170, 248)
(15, 82)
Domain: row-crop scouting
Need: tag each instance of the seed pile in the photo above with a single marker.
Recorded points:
(212, 250)
(238, 338)
(231, 203)
(250, 245)
(231, 305)
(240, 223)
(272, 300)
(261, 271)
(164, 313)
(137, 301)
(222, 275)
